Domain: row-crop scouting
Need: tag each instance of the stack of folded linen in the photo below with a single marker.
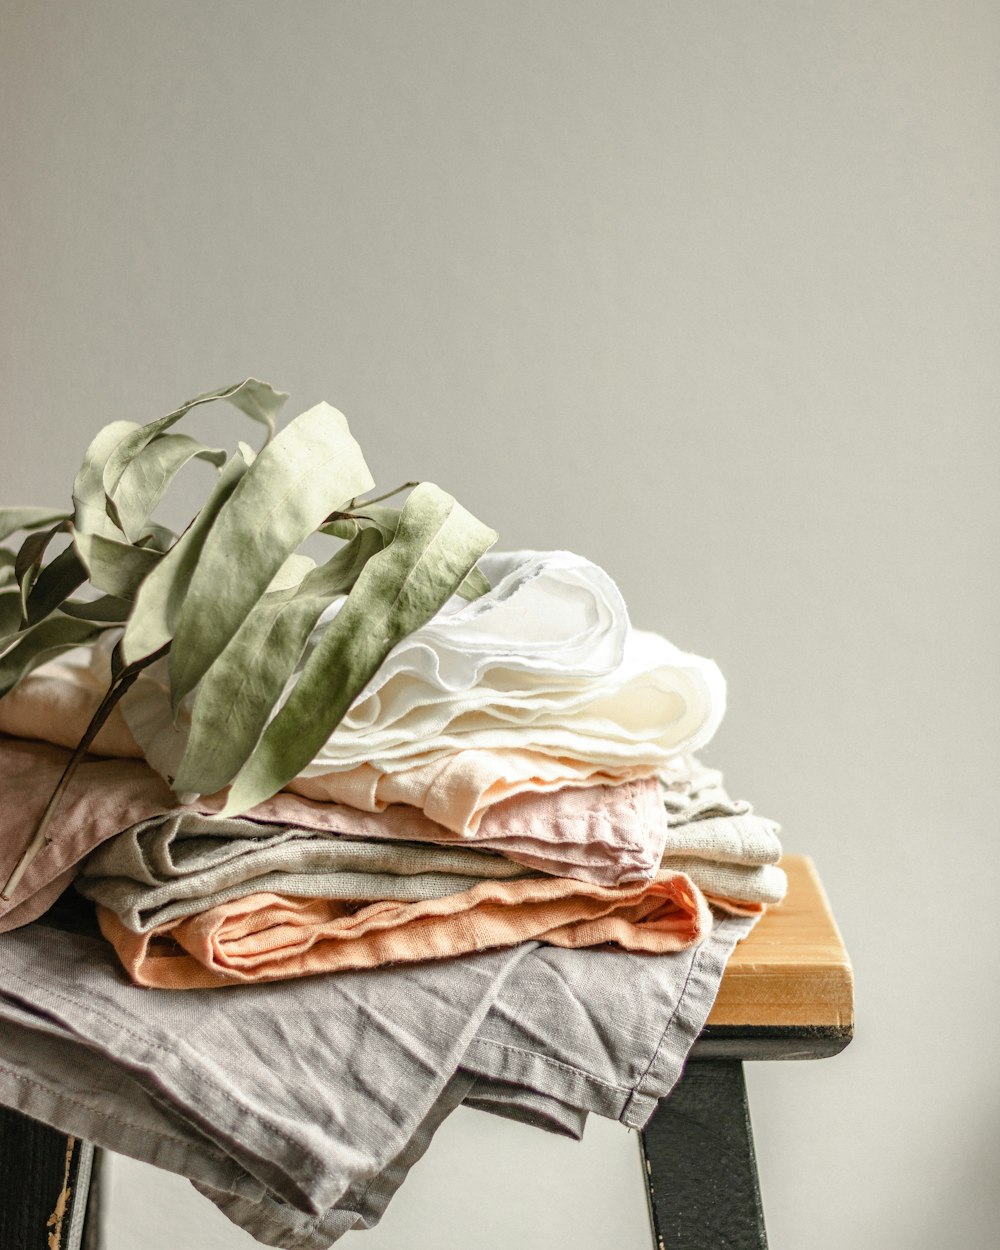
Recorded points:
(518, 769)
(509, 823)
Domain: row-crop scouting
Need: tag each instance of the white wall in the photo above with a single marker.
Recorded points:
(706, 291)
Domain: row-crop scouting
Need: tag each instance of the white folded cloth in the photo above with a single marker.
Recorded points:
(547, 660)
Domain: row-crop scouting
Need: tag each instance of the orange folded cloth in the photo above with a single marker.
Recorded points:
(270, 937)
(736, 906)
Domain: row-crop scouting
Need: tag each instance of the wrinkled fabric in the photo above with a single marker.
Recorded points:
(169, 867)
(765, 884)
(457, 790)
(730, 852)
(546, 659)
(297, 1140)
(269, 937)
(747, 839)
(693, 791)
(56, 702)
(255, 1074)
(103, 797)
(608, 835)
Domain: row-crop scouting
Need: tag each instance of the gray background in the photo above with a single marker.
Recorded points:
(705, 291)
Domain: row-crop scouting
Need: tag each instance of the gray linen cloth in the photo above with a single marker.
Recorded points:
(173, 866)
(299, 1106)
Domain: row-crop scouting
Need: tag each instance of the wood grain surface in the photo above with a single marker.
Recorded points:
(792, 971)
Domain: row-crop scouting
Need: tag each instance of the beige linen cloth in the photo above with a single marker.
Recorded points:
(172, 866)
(269, 937)
(730, 851)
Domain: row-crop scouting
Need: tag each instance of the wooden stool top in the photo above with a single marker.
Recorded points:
(788, 990)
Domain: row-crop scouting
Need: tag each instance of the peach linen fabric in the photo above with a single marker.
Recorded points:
(459, 789)
(607, 834)
(56, 702)
(269, 937)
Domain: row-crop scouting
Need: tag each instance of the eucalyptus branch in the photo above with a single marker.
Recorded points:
(205, 595)
(119, 685)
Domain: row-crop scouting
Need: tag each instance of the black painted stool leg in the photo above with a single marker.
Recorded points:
(701, 1174)
(46, 1186)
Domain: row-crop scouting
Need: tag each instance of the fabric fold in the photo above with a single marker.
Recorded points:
(763, 884)
(608, 835)
(269, 937)
(166, 868)
(255, 1074)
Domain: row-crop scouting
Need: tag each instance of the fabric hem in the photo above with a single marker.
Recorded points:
(687, 1020)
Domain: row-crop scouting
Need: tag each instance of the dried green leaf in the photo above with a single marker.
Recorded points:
(105, 609)
(158, 602)
(10, 616)
(54, 583)
(14, 519)
(255, 399)
(90, 512)
(150, 471)
(28, 561)
(474, 585)
(291, 573)
(309, 470)
(437, 543)
(385, 520)
(42, 642)
(371, 516)
(8, 559)
(238, 693)
(116, 568)
(156, 537)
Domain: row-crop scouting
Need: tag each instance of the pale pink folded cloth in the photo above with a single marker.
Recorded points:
(608, 835)
(56, 702)
(270, 937)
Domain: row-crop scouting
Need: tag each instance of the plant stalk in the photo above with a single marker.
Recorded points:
(40, 837)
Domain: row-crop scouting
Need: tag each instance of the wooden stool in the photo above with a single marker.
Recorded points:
(787, 994)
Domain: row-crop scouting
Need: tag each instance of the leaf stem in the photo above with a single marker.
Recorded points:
(348, 513)
(118, 687)
(388, 495)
